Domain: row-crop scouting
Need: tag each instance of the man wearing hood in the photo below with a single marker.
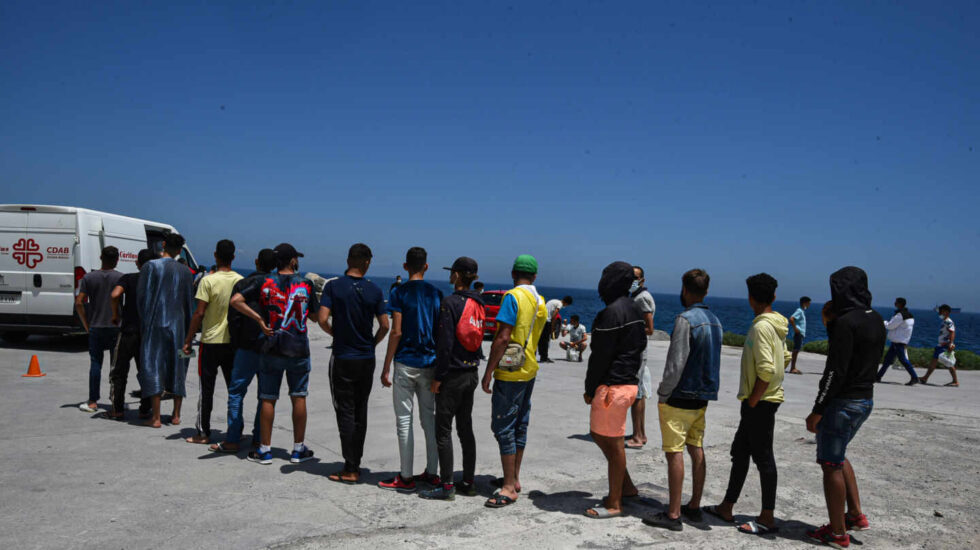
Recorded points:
(764, 356)
(899, 333)
(618, 343)
(845, 399)
(690, 380)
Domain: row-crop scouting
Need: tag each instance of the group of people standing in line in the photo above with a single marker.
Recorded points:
(256, 326)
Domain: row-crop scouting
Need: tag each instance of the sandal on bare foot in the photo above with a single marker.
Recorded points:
(175, 420)
(601, 512)
(713, 511)
(200, 439)
(952, 385)
(348, 478)
(753, 527)
(220, 448)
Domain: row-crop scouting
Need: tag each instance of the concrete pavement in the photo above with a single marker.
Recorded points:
(75, 480)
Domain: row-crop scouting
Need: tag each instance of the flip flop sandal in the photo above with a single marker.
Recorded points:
(499, 501)
(220, 448)
(339, 478)
(952, 385)
(634, 446)
(600, 512)
(753, 527)
(713, 511)
(498, 483)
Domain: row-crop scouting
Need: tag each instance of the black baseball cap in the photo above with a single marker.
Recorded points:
(286, 252)
(464, 265)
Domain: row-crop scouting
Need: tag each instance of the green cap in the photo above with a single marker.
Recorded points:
(526, 263)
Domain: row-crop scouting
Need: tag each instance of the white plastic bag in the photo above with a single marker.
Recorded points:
(947, 359)
(573, 354)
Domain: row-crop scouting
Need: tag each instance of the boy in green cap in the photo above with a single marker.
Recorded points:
(520, 322)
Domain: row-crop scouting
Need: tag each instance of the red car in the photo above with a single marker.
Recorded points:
(491, 305)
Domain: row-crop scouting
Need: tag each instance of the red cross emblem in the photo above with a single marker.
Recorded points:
(27, 253)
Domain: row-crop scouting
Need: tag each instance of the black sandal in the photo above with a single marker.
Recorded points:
(499, 501)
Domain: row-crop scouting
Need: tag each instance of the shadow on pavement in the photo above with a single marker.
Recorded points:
(581, 437)
(62, 344)
(568, 502)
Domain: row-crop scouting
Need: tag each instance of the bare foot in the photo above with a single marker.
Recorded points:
(200, 439)
(634, 444)
(175, 420)
(151, 423)
(795, 371)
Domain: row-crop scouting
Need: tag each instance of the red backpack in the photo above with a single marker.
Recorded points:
(469, 329)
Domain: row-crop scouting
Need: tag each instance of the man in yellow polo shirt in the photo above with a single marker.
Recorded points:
(764, 356)
(520, 322)
(211, 316)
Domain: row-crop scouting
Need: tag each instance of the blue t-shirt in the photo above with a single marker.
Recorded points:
(354, 302)
(799, 317)
(418, 302)
(508, 310)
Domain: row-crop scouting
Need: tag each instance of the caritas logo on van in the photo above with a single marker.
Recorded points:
(27, 253)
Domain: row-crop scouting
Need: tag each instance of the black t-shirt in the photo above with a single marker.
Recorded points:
(130, 310)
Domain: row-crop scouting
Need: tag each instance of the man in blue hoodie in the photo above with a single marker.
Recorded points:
(690, 380)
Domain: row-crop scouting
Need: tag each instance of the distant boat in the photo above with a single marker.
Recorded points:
(951, 309)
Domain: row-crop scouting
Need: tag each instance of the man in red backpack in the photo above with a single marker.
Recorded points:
(459, 337)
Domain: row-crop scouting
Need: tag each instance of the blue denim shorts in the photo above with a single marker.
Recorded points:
(841, 420)
(797, 341)
(939, 350)
(271, 369)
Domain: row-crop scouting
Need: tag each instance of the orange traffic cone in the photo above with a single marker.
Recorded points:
(34, 369)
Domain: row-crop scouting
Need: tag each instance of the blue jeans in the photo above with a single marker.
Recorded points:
(271, 369)
(99, 340)
(840, 423)
(897, 351)
(797, 341)
(510, 412)
(246, 367)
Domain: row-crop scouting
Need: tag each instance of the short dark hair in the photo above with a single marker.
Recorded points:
(172, 243)
(110, 256)
(900, 302)
(144, 256)
(696, 282)
(574, 318)
(358, 255)
(946, 308)
(805, 300)
(224, 251)
(468, 278)
(522, 274)
(478, 285)
(762, 288)
(266, 260)
(568, 300)
(415, 259)
(643, 274)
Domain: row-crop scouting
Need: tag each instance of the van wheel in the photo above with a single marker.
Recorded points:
(15, 337)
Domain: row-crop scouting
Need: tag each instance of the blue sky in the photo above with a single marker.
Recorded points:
(792, 138)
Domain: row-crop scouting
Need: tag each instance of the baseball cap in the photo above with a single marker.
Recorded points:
(285, 251)
(465, 265)
(526, 263)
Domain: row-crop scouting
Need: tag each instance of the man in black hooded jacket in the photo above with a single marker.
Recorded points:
(618, 342)
(845, 398)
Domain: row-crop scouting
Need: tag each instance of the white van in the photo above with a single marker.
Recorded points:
(46, 250)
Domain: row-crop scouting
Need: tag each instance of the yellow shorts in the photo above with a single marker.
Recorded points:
(680, 427)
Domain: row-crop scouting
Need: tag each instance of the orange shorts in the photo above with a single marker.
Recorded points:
(610, 406)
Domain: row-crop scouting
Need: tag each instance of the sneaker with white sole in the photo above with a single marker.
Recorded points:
(301, 456)
(260, 457)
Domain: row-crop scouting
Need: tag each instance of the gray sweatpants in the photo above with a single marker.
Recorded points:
(408, 383)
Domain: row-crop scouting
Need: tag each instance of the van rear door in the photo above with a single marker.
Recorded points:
(15, 252)
(51, 281)
(128, 235)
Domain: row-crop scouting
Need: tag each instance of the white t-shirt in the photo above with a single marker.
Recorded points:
(945, 330)
(553, 306)
(576, 333)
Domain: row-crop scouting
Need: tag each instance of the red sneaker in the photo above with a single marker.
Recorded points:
(430, 479)
(399, 484)
(857, 523)
(826, 535)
